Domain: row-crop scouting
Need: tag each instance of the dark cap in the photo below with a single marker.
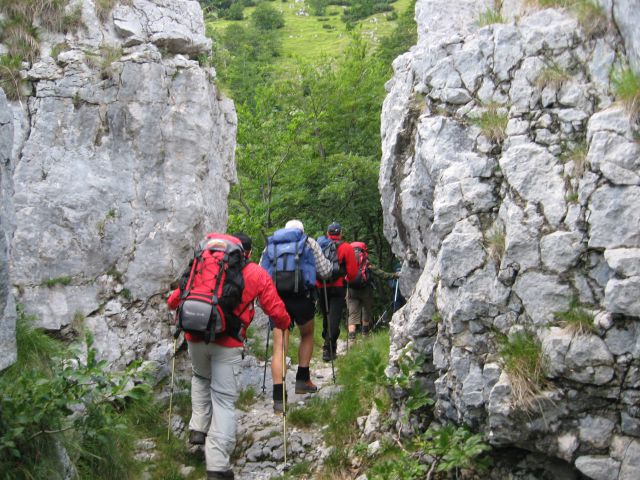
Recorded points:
(334, 229)
(245, 240)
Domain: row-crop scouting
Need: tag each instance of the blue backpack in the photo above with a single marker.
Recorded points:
(289, 261)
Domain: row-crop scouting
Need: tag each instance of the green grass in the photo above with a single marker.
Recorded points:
(359, 373)
(495, 243)
(492, 122)
(522, 359)
(10, 80)
(246, 398)
(52, 282)
(626, 84)
(489, 16)
(311, 38)
(577, 154)
(553, 76)
(576, 318)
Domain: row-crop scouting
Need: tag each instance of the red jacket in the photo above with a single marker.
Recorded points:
(346, 258)
(257, 285)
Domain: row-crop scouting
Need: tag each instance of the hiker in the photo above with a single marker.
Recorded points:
(279, 259)
(332, 292)
(214, 387)
(360, 291)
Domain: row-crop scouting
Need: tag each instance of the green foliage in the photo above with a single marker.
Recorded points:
(576, 318)
(492, 122)
(591, 17)
(52, 282)
(10, 79)
(266, 17)
(21, 38)
(359, 9)
(235, 11)
(490, 16)
(415, 396)
(450, 448)
(453, 448)
(626, 84)
(54, 397)
(522, 359)
(318, 7)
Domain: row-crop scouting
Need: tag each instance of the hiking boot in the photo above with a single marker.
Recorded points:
(278, 407)
(365, 331)
(197, 438)
(352, 336)
(327, 355)
(226, 475)
(305, 386)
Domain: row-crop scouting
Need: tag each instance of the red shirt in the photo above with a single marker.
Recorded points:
(347, 258)
(257, 285)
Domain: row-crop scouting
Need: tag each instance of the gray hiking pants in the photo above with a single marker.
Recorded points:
(214, 391)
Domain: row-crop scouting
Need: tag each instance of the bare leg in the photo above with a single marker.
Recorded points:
(306, 344)
(276, 359)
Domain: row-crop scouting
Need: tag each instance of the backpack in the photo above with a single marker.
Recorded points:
(330, 251)
(213, 289)
(362, 260)
(290, 261)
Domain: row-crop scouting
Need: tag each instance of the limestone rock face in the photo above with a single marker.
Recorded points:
(127, 159)
(7, 306)
(510, 186)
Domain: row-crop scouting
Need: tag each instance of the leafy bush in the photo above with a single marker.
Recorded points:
(265, 17)
(52, 397)
(235, 12)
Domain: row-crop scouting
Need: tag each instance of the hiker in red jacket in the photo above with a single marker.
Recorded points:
(214, 387)
(332, 293)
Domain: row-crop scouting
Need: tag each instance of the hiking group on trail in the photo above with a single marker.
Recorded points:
(215, 304)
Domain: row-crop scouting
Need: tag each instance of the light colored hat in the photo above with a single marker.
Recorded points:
(295, 224)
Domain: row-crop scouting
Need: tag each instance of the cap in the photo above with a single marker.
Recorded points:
(334, 229)
(294, 224)
(245, 240)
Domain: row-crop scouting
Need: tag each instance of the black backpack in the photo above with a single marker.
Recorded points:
(330, 251)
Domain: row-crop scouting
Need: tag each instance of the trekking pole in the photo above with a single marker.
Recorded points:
(176, 334)
(326, 317)
(347, 321)
(395, 295)
(266, 360)
(285, 467)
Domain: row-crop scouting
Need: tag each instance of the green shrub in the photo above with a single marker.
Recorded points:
(454, 448)
(576, 318)
(38, 396)
(21, 38)
(265, 17)
(246, 398)
(235, 11)
(626, 84)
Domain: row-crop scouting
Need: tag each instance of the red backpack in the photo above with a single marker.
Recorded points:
(213, 289)
(362, 260)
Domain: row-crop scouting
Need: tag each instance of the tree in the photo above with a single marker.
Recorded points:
(265, 17)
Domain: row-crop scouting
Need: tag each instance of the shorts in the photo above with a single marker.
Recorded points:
(301, 309)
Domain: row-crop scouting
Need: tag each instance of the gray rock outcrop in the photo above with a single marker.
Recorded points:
(510, 185)
(127, 160)
(7, 306)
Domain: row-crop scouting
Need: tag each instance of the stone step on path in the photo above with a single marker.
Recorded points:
(260, 450)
